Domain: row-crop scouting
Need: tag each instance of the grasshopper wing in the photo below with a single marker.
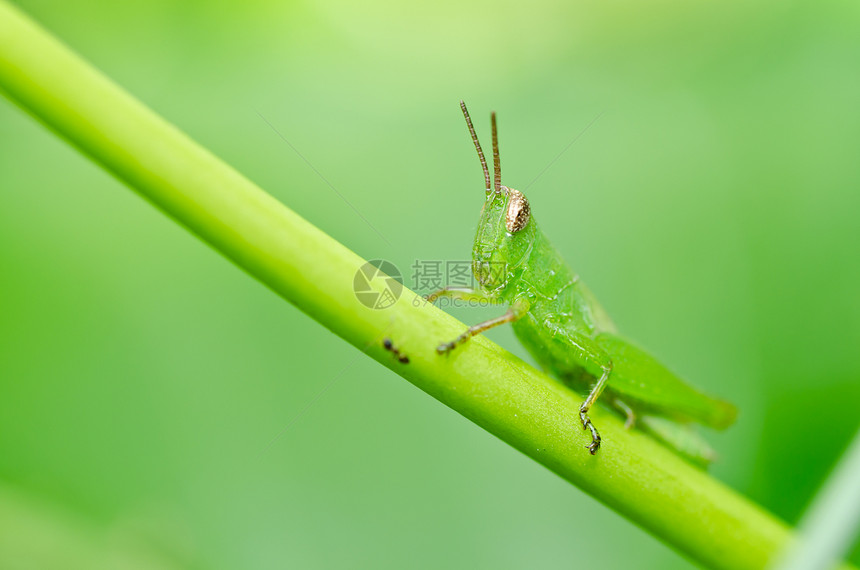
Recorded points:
(642, 382)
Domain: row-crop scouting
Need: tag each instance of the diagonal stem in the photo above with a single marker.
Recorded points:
(632, 474)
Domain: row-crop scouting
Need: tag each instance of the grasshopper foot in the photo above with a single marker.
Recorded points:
(595, 437)
(447, 347)
(595, 443)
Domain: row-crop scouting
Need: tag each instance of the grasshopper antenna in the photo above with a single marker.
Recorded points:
(477, 145)
(497, 164)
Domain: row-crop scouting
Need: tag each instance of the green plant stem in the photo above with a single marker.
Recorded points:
(635, 476)
(830, 525)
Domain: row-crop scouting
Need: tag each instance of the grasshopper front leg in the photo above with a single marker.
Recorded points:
(514, 312)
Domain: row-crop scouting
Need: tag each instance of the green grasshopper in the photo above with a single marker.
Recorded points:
(565, 329)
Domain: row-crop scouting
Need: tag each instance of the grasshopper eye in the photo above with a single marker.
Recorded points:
(518, 212)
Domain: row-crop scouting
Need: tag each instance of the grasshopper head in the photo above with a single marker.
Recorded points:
(505, 231)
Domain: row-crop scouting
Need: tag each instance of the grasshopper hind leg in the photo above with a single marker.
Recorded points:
(680, 438)
(629, 414)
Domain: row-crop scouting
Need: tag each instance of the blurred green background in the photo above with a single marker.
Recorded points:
(147, 383)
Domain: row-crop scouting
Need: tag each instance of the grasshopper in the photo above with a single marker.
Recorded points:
(564, 328)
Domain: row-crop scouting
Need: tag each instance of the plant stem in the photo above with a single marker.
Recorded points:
(830, 525)
(532, 412)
